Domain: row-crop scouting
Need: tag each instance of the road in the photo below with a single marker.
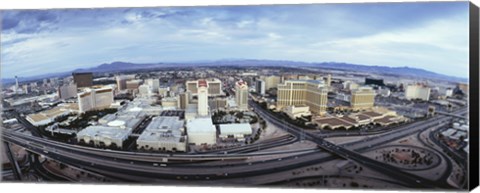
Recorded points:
(138, 166)
(408, 178)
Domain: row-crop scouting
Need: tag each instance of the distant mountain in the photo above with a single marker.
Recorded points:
(403, 71)
(127, 66)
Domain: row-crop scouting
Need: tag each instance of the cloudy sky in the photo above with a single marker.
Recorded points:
(432, 36)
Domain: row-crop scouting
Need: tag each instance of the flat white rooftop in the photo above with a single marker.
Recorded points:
(201, 125)
(232, 129)
(105, 132)
(163, 129)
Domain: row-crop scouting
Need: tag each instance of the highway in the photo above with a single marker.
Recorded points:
(135, 166)
(345, 153)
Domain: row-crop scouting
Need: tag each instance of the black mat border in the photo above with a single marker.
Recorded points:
(474, 98)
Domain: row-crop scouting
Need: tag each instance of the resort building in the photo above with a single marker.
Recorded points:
(417, 91)
(362, 98)
(312, 93)
(241, 95)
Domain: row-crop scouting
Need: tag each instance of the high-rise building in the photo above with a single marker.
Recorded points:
(25, 88)
(67, 91)
(286, 77)
(133, 84)
(192, 86)
(260, 87)
(464, 87)
(154, 84)
(217, 104)
(241, 95)
(312, 93)
(448, 92)
(417, 91)
(53, 81)
(122, 81)
(33, 85)
(214, 87)
(83, 79)
(94, 99)
(16, 85)
(372, 81)
(271, 82)
(183, 100)
(145, 90)
(349, 85)
(329, 80)
(202, 98)
(362, 98)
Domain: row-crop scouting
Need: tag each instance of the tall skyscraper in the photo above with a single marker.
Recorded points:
(83, 79)
(214, 87)
(183, 100)
(373, 81)
(25, 88)
(329, 80)
(122, 81)
(67, 91)
(133, 85)
(312, 93)
(16, 84)
(271, 82)
(94, 99)
(154, 84)
(241, 95)
(202, 98)
(362, 98)
(260, 87)
(145, 90)
(417, 91)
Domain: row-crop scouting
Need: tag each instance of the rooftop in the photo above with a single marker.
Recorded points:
(200, 125)
(54, 112)
(105, 132)
(164, 124)
(240, 128)
(334, 122)
(163, 129)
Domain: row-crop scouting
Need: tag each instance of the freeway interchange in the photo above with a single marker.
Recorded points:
(230, 167)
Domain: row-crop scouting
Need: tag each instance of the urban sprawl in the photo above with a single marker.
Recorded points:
(284, 126)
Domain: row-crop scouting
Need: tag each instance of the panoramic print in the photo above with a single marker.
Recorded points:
(356, 96)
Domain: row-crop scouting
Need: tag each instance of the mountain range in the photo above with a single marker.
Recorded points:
(127, 66)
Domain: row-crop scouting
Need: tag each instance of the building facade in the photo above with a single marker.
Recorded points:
(312, 93)
(183, 100)
(94, 99)
(362, 98)
(133, 85)
(417, 91)
(201, 131)
(241, 95)
(84, 79)
(67, 91)
(271, 82)
(260, 87)
(214, 87)
(122, 81)
(202, 98)
(154, 84)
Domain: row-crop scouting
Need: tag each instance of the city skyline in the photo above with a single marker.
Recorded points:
(63, 40)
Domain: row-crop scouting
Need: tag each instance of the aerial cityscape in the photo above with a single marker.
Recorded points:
(306, 96)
